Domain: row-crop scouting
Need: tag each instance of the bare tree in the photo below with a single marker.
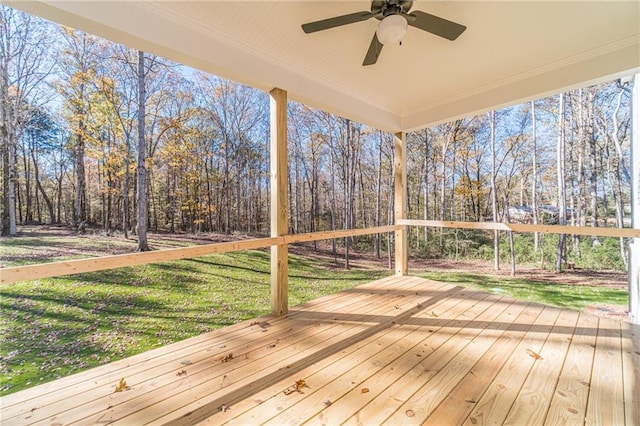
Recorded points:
(560, 170)
(494, 193)
(593, 165)
(24, 65)
(534, 175)
(143, 209)
(79, 61)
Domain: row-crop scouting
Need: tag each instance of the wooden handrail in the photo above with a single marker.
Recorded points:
(327, 235)
(521, 227)
(77, 266)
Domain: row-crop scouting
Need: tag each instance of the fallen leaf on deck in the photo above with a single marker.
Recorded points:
(364, 390)
(122, 386)
(225, 358)
(181, 373)
(185, 362)
(533, 354)
(297, 387)
(327, 402)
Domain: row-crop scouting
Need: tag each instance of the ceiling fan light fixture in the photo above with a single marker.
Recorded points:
(392, 29)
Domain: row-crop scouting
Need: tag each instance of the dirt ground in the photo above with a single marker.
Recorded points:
(322, 251)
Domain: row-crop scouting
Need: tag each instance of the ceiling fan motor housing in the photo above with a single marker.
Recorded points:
(384, 8)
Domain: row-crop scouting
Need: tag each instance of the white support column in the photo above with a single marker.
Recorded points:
(400, 199)
(634, 246)
(279, 199)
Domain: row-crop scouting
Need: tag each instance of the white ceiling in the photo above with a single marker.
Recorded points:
(512, 51)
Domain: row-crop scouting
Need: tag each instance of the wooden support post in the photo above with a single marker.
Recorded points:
(634, 246)
(400, 199)
(279, 197)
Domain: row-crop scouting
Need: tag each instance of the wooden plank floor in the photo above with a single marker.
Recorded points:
(398, 351)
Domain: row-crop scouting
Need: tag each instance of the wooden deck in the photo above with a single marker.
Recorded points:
(401, 350)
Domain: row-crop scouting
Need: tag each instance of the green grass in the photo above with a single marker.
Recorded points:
(567, 296)
(54, 327)
(37, 248)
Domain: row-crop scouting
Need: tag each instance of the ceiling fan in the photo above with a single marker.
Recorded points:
(394, 18)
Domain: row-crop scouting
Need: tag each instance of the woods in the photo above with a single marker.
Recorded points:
(97, 134)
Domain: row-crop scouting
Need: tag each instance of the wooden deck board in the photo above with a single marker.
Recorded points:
(569, 401)
(424, 401)
(372, 376)
(604, 407)
(461, 401)
(531, 404)
(495, 404)
(321, 375)
(400, 350)
(631, 363)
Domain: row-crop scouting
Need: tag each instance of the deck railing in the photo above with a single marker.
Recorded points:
(77, 266)
(521, 227)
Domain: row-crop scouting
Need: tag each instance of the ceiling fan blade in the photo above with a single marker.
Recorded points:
(337, 21)
(374, 51)
(436, 25)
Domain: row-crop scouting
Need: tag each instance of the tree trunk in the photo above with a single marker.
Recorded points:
(512, 252)
(494, 195)
(425, 213)
(348, 195)
(534, 176)
(562, 211)
(8, 143)
(4, 131)
(11, 166)
(593, 176)
(47, 200)
(141, 229)
(443, 181)
(28, 195)
(378, 237)
(125, 190)
(79, 210)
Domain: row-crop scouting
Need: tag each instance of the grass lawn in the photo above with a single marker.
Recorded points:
(575, 297)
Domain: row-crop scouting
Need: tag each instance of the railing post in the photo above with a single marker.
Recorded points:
(400, 200)
(279, 197)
